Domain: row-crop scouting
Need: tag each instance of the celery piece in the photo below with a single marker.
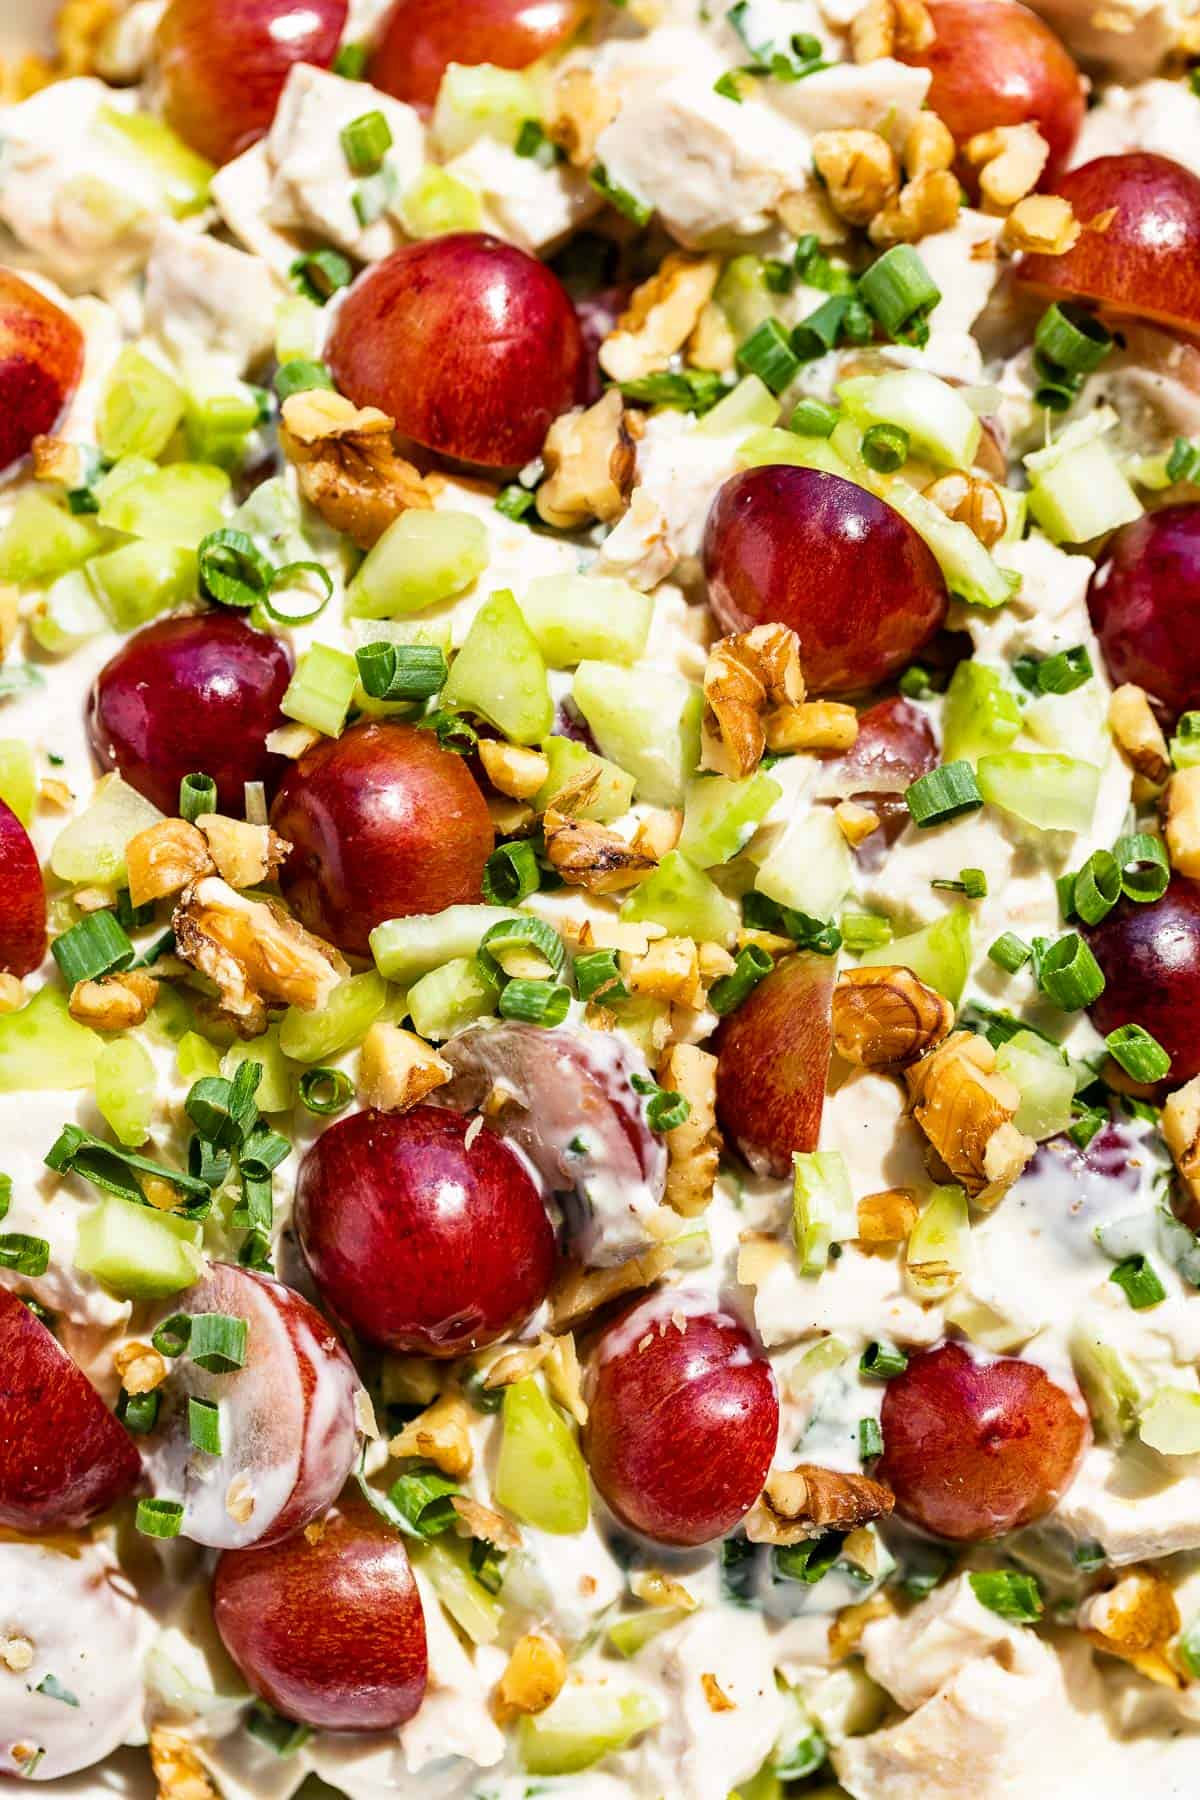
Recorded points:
(721, 816)
(43, 1049)
(276, 1091)
(422, 557)
(320, 692)
(125, 1090)
(69, 615)
(499, 673)
(1110, 1387)
(140, 580)
(821, 1358)
(172, 1017)
(182, 176)
(684, 900)
(569, 761)
(140, 408)
(352, 1008)
(448, 998)
(177, 505)
(1046, 1082)
(196, 1058)
(824, 1211)
(90, 851)
(407, 948)
(1052, 793)
(811, 867)
(18, 777)
(744, 297)
(981, 713)
(970, 571)
(42, 540)
(574, 617)
(935, 1257)
(939, 953)
(647, 721)
(1082, 495)
(438, 202)
(779, 446)
(750, 406)
(581, 1727)
(481, 100)
(1170, 1423)
(767, 1785)
(939, 422)
(476, 1612)
(628, 1636)
(540, 1473)
(299, 330)
(139, 1253)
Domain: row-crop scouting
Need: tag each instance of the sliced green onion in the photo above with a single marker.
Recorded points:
(93, 947)
(174, 1335)
(351, 62)
(422, 1496)
(881, 1360)
(454, 731)
(291, 575)
(1069, 974)
(1138, 1282)
(768, 353)
(1183, 464)
(1068, 344)
(159, 1518)
(899, 290)
(1089, 1556)
(885, 448)
(138, 1412)
(727, 994)
(598, 976)
(665, 1110)
(864, 931)
(197, 796)
(204, 1424)
(1088, 1122)
(1145, 870)
(326, 1091)
(534, 1002)
(945, 793)
(627, 204)
(23, 1254)
(870, 1440)
(1097, 887)
(971, 882)
(917, 683)
(218, 1342)
(1009, 952)
(510, 873)
(402, 671)
(365, 142)
(687, 390)
(1139, 1054)
(232, 571)
(224, 1111)
(300, 376)
(283, 1736)
(761, 913)
(1066, 671)
(321, 273)
(487, 1565)
(514, 501)
(816, 335)
(523, 935)
(1008, 1592)
(814, 418)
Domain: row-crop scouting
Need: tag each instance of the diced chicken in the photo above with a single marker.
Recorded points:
(883, 96)
(1160, 116)
(1137, 1504)
(241, 192)
(202, 295)
(679, 472)
(534, 207)
(725, 1707)
(915, 1655)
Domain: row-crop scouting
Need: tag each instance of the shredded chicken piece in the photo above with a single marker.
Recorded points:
(591, 856)
(661, 316)
(966, 1110)
(884, 1018)
(114, 1002)
(591, 462)
(1137, 733)
(440, 1435)
(801, 1503)
(580, 1292)
(254, 952)
(245, 855)
(747, 674)
(347, 464)
(164, 858)
(397, 1069)
(1136, 1620)
(693, 1148)
(536, 1672)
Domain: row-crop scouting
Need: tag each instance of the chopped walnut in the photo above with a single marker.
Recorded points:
(591, 856)
(512, 769)
(887, 1217)
(929, 146)
(973, 501)
(164, 858)
(661, 316)
(479, 1521)
(1137, 733)
(255, 953)
(397, 1069)
(16, 1653)
(347, 465)
(240, 1500)
(812, 725)
(579, 110)
(713, 344)
(1010, 160)
(580, 1292)
(668, 970)
(804, 1502)
(745, 675)
(718, 1700)
(177, 1769)
(517, 1361)
(440, 1435)
(245, 855)
(1181, 1130)
(57, 459)
(658, 832)
(845, 1632)
(114, 1002)
(860, 171)
(966, 1111)
(564, 1376)
(12, 993)
(534, 1677)
(1182, 827)
(653, 1587)
(55, 793)
(855, 822)
(693, 1148)
(1136, 1620)
(884, 1018)
(1041, 225)
(140, 1367)
(927, 204)
(591, 461)
(887, 27)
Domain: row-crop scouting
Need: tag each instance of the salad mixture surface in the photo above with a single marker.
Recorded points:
(600, 900)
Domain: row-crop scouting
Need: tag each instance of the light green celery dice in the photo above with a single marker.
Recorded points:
(140, 580)
(685, 901)
(750, 406)
(645, 720)
(577, 617)
(140, 408)
(70, 615)
(405, 949)
(182, 176)
(482, 100)
(449, 998)
(276, 1090)
(437, 202)
(320, 692)
(981, 714)
(1051, 793)
(90, 851)
(940, 424)
(939, 954)
(569, 761)
(42, 540)
(139, 1253)
(42, 1048)
(175, 506)
(422, 558)
(1082, 496)
(476, 1612)
(1047, 1084)
(721, 816)
(18, 777)
(299, 330)
(938, 1248)
(125, 1089)
(540, 1473)
(775, 445)
(352, 1008)
(196, 1058)
(499, 673)
(811, 867)
(583, 1726)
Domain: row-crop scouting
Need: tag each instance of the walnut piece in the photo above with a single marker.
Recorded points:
(591, 461)
(929, 146)
(534, 1677)
(966, 1111)
(115, 1002)
(479, 1521)
(164, 858)
(397, 1069)
(347, 465)
(580, 1292)
(140, 1367)
(860, 171)
(801, 1503)
(1136, 1620)
(1042, 225)
(1182, 827)
(883, 27)
(579, 110)
(973, 501)
(693, 1148)
(177, 1769)
(1010, 160)
(246, 855)
(654, 1587)
(591, 856)
(845, 1632)
(717, 1699)
(884, 1018)
(255, 953)
(513, 769)
(887, 1217)
(855, 822)
(661, 316)
(669, 969)
(16, 1653)
(927, 204)
(440, 1435)
(1137, 733)
(812, 725)
(1181, 1130)
(746, 674)
(57, 459)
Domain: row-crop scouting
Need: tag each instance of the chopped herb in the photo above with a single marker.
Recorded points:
(53, 1689)
(1008, 1592)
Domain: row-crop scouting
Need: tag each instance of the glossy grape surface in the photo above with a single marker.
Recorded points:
(772, 1062)
(41, 361)
(1144, 600)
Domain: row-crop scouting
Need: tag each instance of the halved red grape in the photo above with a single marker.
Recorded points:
(1144, 599)
(773, 1060)
(186, 695)
(851, 577)
(1150, 958)
(22, 899)
(327, 1626)
(384, 823)
(422, 37)
(222, 64)
(1145, 259)
(896, 743)
(973, 1448)
(472, 346)
(996, 63)
(41, 360)
(64, 1459)
(683, 1418)
(288, 1420)
(424, 1233)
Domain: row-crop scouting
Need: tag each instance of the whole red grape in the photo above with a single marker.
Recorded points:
(773, 1060)
(1150, 958)
(422, 36)
(1144, 599)
(22, 899)
(41, 360)
(424, 1239)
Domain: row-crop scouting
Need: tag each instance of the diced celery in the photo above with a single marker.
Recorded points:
(1076, 436)
(574, 617)
(181, 174)
(540, 1473)
(352, 1008)
(824, 1211)
(42, 1048)
(935, 1257)
(272, 517)
(42, 540)
(196, 1057)
(126, 471)
(1110, 1387)
(744, 297)
(940, 424)
(407, 948)
(628, 1636)
(139, 1253)
(1052, 793)
(647, 721)
(482, 100)
(988, 1326)
(475, 1611)
(750, 406)
(299, 330)
(68, 616)
(422, 557)
(447, 999)
(140, 408)
(581, 1727)
(981, 713)
(827, 1354)
(320, 692)
(684, 900)
(721, 816)
(499, 673)
(177, 505)
(220, 412)
(438, 202)
(970, 571)
(140, 580)
(810, 868)
(766, 1785)
(1045, 1079)
(276, 1091)
(779, 446)
(18, 777)
(172, 1017)
(568, 762)
(125, 1089)
(90, 851)
(1083, 496)
(939, 953)
(1170, 1423)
